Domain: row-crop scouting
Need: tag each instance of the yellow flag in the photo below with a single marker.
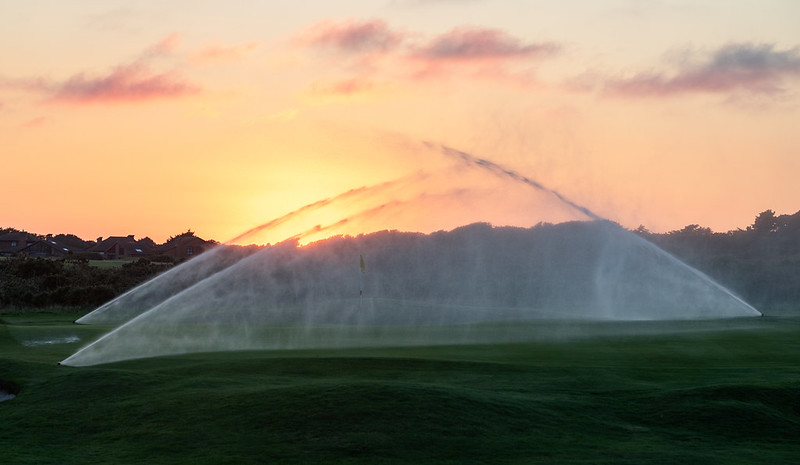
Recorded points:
(363, 270)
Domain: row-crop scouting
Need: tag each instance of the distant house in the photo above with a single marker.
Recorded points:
(70, 241)
(116, 247)
(46, 248)
(12, 243)
(186, 245)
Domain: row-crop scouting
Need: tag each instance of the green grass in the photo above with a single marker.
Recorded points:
(729, 394)
(110, 263)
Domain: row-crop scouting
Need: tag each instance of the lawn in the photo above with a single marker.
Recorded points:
(110, 263)
(726, 394)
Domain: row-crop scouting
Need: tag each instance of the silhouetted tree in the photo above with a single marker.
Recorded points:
(147, 241)
(692, 230)
(765, 222)
(11, 230)
(72, 241)
(188, 233)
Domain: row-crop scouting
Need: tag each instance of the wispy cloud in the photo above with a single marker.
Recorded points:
(468, 43)
(135, 81)
(463, 43)
(123, 84)
(371, 50)
(479, 54)
(352, 36)
(743, 67)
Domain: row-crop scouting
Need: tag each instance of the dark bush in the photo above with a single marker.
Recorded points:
(71, 282)
(87, 255)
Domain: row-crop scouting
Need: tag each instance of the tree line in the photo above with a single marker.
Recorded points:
(760, 263)
(38, 283)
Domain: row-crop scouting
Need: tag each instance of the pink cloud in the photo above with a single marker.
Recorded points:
(372, 50)
(481, 44)
(124, 84)
(487, 55)
(132, 82)
(737, 67)
(352, 36)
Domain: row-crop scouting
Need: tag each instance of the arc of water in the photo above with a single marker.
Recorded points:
(699, 274)
(503, 172)
(481, 163)
(366, 213)
(357, 192)
(209, 259)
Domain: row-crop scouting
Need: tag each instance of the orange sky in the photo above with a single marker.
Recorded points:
(151, 118)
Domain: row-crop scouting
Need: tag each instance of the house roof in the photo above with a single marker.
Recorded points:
(110, 242)
(128, 243)
(56, 246)
(70, 240)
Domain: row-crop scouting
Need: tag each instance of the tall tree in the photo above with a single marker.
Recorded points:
(765, 222)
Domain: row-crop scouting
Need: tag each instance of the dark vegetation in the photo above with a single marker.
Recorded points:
(760, 263)
(43, 283)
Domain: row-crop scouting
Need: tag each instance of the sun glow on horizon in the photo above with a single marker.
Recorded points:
(452, 193)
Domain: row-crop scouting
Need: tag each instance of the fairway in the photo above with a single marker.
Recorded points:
(688, 392)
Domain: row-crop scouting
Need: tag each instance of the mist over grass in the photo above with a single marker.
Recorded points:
(417, 289)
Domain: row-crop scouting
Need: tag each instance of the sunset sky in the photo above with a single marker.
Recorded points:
(151, 117)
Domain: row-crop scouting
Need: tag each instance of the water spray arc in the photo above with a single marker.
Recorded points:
(362, 191)
(475, 284)
(507, 173)
(174, 280)
(501, 171)
(422, 289)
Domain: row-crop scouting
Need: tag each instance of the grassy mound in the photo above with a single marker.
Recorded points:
(728, 394)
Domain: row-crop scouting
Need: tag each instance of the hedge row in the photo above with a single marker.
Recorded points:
(27, 282)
